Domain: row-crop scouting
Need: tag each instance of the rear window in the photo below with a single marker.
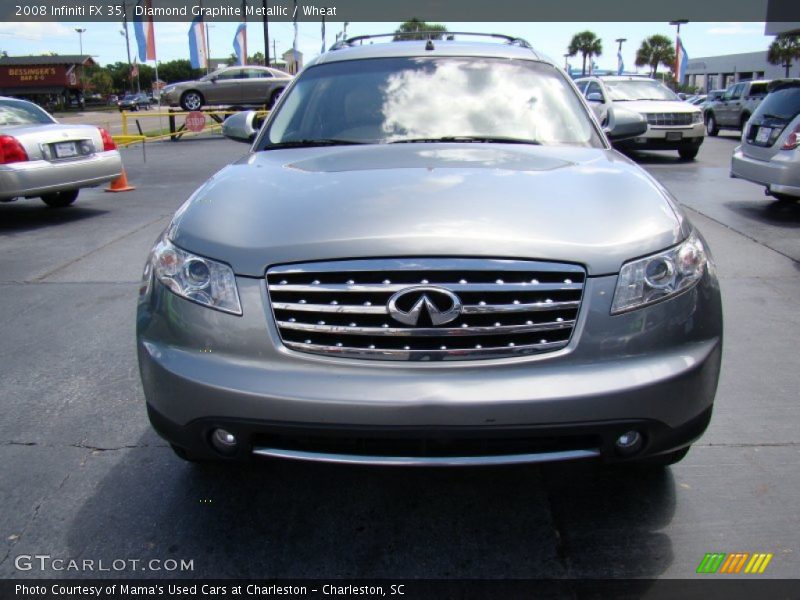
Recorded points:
(781, 104)
(758, 89)
(19, 112)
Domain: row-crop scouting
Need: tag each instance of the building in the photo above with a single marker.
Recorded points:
(44, 79)
(290, 65)
(718, 72)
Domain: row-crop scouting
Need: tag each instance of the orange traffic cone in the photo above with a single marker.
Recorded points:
(120, 184)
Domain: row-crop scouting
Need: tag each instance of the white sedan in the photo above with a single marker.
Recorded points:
(41, 158)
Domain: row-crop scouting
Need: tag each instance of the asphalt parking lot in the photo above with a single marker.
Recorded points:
(85, 477)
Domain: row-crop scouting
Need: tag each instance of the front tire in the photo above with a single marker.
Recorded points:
(192, 100)
(60, 199)
(712, 127)
(273, 99)
(688, 152)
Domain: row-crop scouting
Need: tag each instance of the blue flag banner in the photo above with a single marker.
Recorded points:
(240, 44)
(198, 54)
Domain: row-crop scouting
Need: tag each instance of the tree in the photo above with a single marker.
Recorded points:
(408, 31)
(783, 50)
(101, 81)
(656, 50)
(588, 44)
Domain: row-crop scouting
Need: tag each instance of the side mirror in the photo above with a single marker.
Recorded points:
(595, 97)
(240, 127)
(623, 124)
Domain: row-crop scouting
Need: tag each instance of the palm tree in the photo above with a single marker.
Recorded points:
(783, 49)
(409, 30)
(656, 50)
(588, 44)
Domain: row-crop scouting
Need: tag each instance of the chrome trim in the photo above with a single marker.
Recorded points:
(465, 310)
(429, 265)
(427, 331)
(428, 461)
(454, 287)
(450, 354)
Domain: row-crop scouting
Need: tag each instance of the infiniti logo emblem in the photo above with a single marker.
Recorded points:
(426, 303)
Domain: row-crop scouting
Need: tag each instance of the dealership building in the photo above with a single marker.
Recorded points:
(43, 78)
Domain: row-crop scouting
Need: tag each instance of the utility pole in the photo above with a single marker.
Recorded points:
(274, 52)
(80, 31)
(266, 32)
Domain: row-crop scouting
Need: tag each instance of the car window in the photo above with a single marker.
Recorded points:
(19, 112)
(758, 89)
(782, 104)
(638, 89)
(582, 85)
(399, 99)
(257, 74)
(229, 74)
(276, 73)
(736, 92)
(594, 88)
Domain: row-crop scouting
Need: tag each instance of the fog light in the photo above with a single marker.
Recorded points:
(224, 442)
(629, 443)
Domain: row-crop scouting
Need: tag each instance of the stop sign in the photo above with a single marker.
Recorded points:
(195, 121)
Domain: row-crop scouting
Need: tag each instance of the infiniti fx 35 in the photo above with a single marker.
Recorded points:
(431, 255)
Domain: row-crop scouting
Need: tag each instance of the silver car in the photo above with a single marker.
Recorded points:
(770, 150)
(231, 86)
(398, 275)
(41, 158)
(672, 123)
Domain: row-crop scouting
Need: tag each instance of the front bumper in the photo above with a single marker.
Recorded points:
(781, 174)
(667, 138)
(656, 368)
(37, 177)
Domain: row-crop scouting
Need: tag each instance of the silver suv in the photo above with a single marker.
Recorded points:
(672, 123)
(431, 256)
(734, 108)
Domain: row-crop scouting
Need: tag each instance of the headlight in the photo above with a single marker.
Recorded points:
(697, 117)
(195, 278)
(168, 89)
(660, 276)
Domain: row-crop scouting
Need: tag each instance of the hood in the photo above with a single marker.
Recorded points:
(582, 205)
(659, 106)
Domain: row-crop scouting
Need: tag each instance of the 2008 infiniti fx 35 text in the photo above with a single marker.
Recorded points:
(431, 256)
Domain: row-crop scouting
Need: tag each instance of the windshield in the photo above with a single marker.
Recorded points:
(19, 112)
(642, 89)
(781, 104)
(424, 99)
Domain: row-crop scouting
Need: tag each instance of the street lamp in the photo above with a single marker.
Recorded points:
(566, 61)
(80, 31)
(678, 23)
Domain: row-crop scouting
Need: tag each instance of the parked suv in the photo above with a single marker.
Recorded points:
(396, 275)
(672, 123)
(770, 150)
(737, 104)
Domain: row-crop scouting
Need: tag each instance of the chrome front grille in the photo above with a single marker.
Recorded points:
(669, 119)
(492, 308)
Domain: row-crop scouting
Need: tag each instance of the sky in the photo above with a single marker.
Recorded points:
(104, 42)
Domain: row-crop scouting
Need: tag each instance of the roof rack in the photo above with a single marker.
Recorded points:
(431, 35)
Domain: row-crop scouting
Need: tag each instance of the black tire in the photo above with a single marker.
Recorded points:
(712, 127)
(273, 99)
(688, 152)
(784, 197)
(192, 100)
(663, 460)
(745, 119)
(60, 199)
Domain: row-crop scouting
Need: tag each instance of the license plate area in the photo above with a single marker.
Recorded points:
(763, 135)
(65, 149)
(674, 136)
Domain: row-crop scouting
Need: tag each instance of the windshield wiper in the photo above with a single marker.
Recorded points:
(779, 117)
(309, 143)
(468, 139)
